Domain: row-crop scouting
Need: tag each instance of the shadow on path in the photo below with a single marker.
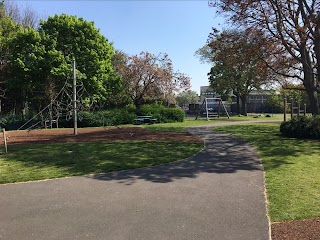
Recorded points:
(222, 154)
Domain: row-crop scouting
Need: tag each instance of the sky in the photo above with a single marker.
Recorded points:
(177, 28)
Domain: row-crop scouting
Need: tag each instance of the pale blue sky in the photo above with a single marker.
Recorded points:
(177, 28)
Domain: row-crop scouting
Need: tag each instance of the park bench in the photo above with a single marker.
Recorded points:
(145, 119)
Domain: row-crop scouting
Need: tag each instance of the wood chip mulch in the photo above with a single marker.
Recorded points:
(308, 229)
(112, 134)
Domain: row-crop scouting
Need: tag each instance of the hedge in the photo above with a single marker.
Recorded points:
(161, 113)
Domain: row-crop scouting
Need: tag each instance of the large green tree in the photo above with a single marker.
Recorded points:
(37, 70)
(79, 39)
(8, 30)
(237, 63)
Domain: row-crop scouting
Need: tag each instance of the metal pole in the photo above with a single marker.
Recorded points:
(219, 108)
(207, 109)
(74, 98)
(291, 108)
(284, 109)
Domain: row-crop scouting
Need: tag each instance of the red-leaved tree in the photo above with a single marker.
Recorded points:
(294, 26)
(150, 77)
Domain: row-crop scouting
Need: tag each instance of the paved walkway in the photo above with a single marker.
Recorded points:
(217, 194)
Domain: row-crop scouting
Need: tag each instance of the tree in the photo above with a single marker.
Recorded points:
(237, 65)
(24, 16)
(78, 39)
(187, 97)
(148, 77)
(8, 30)
(37, 69)
(294, 26)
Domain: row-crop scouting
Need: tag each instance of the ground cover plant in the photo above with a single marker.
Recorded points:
(292, 169)
(35, 162)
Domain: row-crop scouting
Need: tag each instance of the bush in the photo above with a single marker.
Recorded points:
(302, 127)
(106, 118)
(161, 113)
(13, 122)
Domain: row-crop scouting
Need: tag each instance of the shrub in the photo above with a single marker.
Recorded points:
(106, 118)
(161, 113)
(13, 122)
(302, 127)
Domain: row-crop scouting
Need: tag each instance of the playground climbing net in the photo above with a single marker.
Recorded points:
(60, 108)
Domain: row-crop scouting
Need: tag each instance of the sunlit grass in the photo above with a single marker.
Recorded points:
(292, 170)
(36, 162)
(191, 122)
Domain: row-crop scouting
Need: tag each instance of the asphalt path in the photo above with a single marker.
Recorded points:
(218, 194)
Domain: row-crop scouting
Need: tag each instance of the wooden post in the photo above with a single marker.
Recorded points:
(5, 140)
(305, 109)
(219, 108)
(207, 109)
(284, 109)
(298, 109)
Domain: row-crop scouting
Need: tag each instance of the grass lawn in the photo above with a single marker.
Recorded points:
(292, 170)
(190, 122)
(36, 162)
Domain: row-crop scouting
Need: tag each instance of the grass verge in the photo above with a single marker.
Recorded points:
(36, 162)
(291, 168)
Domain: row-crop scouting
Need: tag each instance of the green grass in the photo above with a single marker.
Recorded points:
(191, 122)
(36, 162)
(292, 170)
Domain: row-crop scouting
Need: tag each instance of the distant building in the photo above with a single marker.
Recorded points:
(255, 102)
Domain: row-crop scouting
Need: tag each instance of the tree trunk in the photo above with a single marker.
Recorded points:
(238, 105)
(309, 80)
(244, 105)
(313, 99)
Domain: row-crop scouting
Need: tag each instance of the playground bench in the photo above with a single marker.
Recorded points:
(145, 119)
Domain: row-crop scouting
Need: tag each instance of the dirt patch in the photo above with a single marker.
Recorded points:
(308, 229)
(113, 134)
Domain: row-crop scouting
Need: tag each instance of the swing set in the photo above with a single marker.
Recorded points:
(205, 104)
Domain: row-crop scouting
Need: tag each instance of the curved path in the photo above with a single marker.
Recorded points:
(217, 194)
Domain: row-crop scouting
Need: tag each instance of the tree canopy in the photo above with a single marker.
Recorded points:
(238, 67)
(79, 39)
(148, 76)
(294, 26)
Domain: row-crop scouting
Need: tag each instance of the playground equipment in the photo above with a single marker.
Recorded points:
(64, 104)
(292, 108)
(205, 103)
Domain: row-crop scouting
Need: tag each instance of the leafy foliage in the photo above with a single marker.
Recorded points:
(302, 127)
(187, 97)
(79, 39)
(238, 67)
(147, 76)
(294, 29)
(162, 113)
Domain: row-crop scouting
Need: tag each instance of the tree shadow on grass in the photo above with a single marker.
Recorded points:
(222, 155)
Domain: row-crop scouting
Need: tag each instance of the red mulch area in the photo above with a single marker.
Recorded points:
(112, 134)
(308, 229)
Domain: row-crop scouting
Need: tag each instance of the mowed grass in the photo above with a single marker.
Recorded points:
(191, 122)
(292, 170)
(36, 162)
